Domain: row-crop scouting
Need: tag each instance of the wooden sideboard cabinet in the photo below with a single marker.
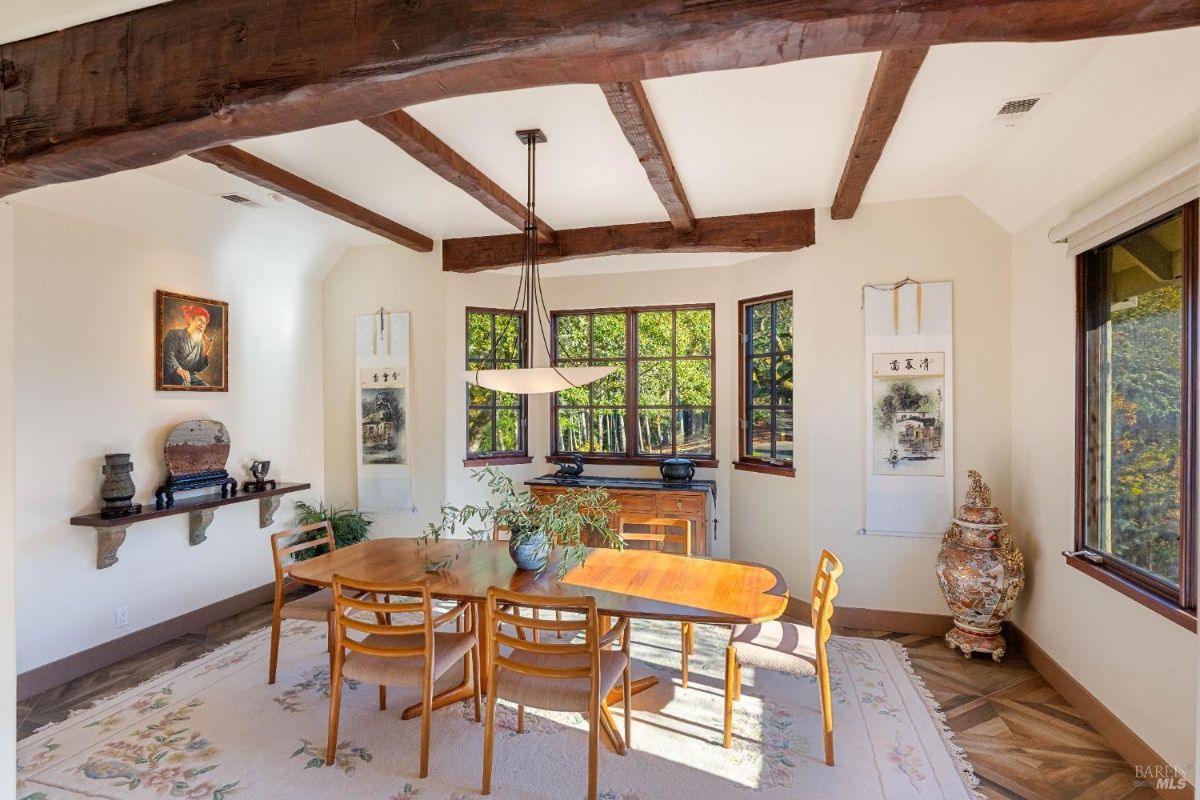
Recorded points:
(694, 500)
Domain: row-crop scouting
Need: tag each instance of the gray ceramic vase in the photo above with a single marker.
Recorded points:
(531, 553)
(117, 489)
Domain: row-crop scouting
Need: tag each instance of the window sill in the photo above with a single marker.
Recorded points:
(766, 469)
(645, 461)
(1180, 616)
(496, 461)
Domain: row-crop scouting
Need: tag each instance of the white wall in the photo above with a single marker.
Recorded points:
(781, 521)
(8, 611)
(1137, 663)
(84, 387)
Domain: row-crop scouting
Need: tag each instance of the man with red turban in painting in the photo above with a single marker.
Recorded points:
(185, 350)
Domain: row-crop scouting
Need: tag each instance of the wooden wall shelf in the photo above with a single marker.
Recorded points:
(110, 533)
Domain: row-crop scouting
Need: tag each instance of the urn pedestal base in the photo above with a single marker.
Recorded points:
(976, 642)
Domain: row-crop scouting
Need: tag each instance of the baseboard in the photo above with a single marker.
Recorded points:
(1131, 746)
(870, 619)
(56, 673)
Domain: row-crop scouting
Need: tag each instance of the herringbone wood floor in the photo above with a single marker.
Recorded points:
(1024, 739)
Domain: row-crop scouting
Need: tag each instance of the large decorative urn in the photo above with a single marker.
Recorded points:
(981, 573)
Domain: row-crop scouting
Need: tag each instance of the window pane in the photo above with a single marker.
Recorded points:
(694, 383)
(654, 431)
(760, 328)
(479, 431)
(508, 426)
(783, 435)
(506, 399)
(1136, 324)
(608, 430)
(783, 326)
(693, 431)
(572, 333)
(694, 332)
(573, 431)
(654, 383)
(783, 380)
(508, 338)
(479, 336)
(609, 335)
(760, 433)
(610, 390)
(479, 396)
(654, 333)
(576, 395)
(760, 381)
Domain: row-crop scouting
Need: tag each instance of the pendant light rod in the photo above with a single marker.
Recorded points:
(531, 299)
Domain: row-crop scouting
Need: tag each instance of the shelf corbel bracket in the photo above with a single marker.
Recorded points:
(267, 506)
(198, 522)
(108, 541)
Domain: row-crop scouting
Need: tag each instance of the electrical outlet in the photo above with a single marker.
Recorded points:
(122, 616)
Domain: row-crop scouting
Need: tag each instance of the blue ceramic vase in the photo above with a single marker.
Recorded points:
(532, 553)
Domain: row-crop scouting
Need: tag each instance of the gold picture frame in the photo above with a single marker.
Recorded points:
(191, 343)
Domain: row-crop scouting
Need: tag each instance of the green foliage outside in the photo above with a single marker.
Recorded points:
(673, 384)
(350, 526)
(1143, 478)
(565, 521)
(493, 418)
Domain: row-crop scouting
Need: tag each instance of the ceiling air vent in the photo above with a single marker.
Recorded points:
(1014, 110)
(241, 200)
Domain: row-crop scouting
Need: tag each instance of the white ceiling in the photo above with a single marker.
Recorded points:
(761, 139)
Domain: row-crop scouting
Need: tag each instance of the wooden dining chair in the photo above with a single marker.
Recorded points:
(657, 537)
(391, 654)
(318, 606)
(568, 676)
(788, 647)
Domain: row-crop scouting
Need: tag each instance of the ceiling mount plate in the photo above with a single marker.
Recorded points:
(533, 134)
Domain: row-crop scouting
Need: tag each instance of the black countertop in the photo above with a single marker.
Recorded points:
(609, 482)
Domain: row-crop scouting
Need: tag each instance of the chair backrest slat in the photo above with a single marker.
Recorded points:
(825, 589)
(352, 596)
(285, 543)
(570, 650)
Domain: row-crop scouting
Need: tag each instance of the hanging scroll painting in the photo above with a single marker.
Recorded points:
(382, 418)
(909, 361)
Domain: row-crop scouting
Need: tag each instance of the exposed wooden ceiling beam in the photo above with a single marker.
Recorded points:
(265, 174)
(419, 142)
(772, 232)
(631, 107)
(172, 78)
(893, 78)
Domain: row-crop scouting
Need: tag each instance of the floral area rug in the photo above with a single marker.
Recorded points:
(213, 729)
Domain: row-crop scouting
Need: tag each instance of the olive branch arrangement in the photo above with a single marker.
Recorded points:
(565, 521)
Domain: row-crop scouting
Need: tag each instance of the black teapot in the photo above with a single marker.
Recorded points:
(677, 469)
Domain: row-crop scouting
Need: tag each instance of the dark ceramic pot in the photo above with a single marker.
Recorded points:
(677, 469)
(117, 489)
(532, 553)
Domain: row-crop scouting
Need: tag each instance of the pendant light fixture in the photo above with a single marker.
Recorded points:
(532, 380)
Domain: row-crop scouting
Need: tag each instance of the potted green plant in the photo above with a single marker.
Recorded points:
(535, 528)
(350, 526)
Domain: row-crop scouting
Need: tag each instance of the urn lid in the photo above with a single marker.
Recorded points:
(978, 508)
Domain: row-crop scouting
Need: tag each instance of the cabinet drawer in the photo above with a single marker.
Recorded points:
(635, 502)
(672, 503)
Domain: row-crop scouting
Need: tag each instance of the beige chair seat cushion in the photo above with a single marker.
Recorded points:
(780, 646)
(557, 694)
(316, 606)
(448, 648)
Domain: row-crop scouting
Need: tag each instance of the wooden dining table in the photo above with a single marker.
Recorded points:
(634, 584)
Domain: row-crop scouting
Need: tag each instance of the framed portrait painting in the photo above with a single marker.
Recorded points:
(191, 343)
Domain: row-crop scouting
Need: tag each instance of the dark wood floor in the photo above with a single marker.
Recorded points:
(1024, 739)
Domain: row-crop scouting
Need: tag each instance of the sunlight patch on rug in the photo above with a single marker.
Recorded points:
(213, 729)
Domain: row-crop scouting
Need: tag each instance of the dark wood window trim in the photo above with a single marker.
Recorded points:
(745, 461)
(631, 456)
(1177, 604)
(506, 457)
